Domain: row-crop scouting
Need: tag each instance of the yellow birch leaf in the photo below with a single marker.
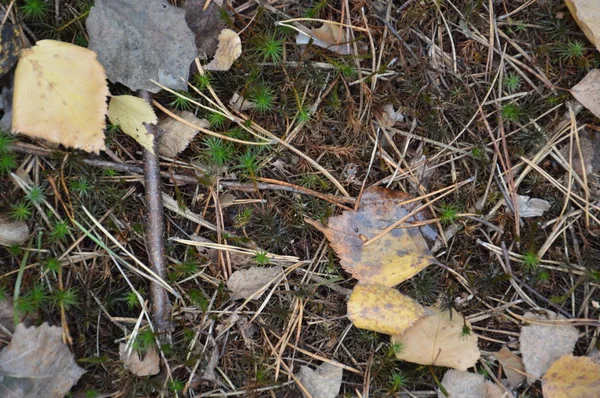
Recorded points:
(394, 258)
(572, 377)
(130, 113)
(587, 15)
(230, 48)
(439, 340)
(60, 95)
(382, 309)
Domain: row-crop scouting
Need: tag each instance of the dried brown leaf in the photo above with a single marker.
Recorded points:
(394, 258)
(542, 345)
(323, 382)
(512, 366)
(37, 363)
(12, 232)
(572, 377)
(148, 366)
(230, 48)
(253, 281)
(330, 36)
(176, 135)
(587, 91)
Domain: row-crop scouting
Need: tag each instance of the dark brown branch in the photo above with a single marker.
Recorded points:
(155, 230)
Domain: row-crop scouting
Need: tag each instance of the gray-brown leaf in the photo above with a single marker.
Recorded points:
(253, 281)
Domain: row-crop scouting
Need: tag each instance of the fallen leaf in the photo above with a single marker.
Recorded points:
(253, 281)
(439, 340)
(177, 136)
(512, 366)
(229, 49)
(10, 46)
(587, 15)
(208, 370)
(587, 91)
(330, 36)
(130, 113)
(323, 382)
(141, 40)
(240, 103)
(532, 207)
(37, 363)
(572, 377)
(542, 345)
(148, 366)
(460, 384)
(60, 95)
(382, 309)
(206, 25)
(388, 116)
(12, 232)
(394, 258)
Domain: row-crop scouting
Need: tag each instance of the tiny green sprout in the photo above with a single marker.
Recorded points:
(217, 120)
(34, 10)
(109, 172)
(303, 115)
(543, 276)
(66, 298)
(398, 380)
(20, 211)
(243, 217)
(396, 347)
(33, 299)
(8, 162)
(512, 82)
(80, 186)
(91, 394)
(144, 340)
(313, 181)
(269, 48)
(571, 50)
(218, 151)
(531, 260)
(5, 141)
(248, 162)
(52, 264)
(478, 153)
(59, 231)
(81, 41)
(132, 300)
(448, 214)
(316, 10)
(181, 101)
(263, 98)
(483, 371)
(112, 128)
(201, 81)
(346, 70)
(199, 299)
(261, 258)
(36, 195)
(466, 330)
(176, 385)
(511, 112)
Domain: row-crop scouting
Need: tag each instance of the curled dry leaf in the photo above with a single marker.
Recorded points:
(60, 95)
(512, 366)
(206, 25)
(253, 282)
(439, 340)
(37, 363)
(240, 103)
(532, 207)
(382, 309)
(388, 116)
(587, 15)
(323, 382)
(12, 232)
(542, 345)
(230, 48)
(330, 36)
(130, 113)
(148, 366)
(460, 384)
(177, 136)
(572, 377)
(394, 258)
(159, 45)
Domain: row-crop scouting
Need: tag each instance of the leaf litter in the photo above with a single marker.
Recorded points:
(252, 282)
(572, 377)
(132, 360)
(176, 136)
(323, 382)
(461, 384)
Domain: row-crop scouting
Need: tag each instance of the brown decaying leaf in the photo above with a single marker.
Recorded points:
(512, 366)
(229, 49)
(330, 36)
(587, 15)
(323, 382)
(382, 309)
(460, 384)
(253, 281)
(439, 340)
(394, 258)
(141, 40)
(542, 345)
(60, 95)
(37, 363)
(206, 25)
(587, 91)
(12, 232)
(148, 366)
(572, 377)
(177, 136)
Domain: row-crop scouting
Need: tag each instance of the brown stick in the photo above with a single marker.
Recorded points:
(155, 229)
